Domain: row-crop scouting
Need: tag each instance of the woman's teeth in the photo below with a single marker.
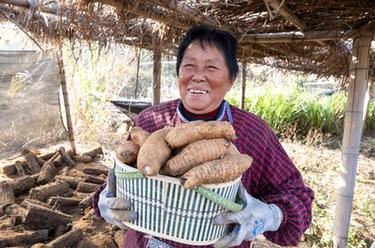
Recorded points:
(198, 91)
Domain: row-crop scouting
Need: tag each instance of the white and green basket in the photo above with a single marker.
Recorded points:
(166, 210)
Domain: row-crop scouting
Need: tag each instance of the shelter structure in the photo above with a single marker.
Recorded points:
(325, 37)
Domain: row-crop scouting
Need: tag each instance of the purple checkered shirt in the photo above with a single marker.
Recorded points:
(272, 177)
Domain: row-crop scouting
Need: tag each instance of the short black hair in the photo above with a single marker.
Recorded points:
(222, 40)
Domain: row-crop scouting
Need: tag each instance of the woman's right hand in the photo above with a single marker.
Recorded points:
(114, 210)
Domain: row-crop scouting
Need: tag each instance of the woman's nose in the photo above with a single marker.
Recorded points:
(199, 76)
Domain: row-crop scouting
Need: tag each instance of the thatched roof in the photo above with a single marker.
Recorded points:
(304, 35)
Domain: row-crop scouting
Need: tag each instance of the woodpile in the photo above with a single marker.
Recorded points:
(47, 202)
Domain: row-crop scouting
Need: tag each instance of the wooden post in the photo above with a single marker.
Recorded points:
(64, 88)
(157, 74)
(243, 83)
(355, 112)
(139, 51)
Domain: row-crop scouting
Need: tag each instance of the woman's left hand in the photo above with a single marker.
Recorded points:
(254, 219)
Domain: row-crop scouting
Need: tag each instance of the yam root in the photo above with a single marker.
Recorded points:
(197, 130)
(217, 171)
(154, 152)
(232, 150)
(195, 154)
(139, 136)
(127, 152)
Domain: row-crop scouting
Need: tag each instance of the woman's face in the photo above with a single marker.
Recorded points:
(203, 78)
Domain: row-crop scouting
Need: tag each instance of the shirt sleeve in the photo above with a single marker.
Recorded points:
(273, 178)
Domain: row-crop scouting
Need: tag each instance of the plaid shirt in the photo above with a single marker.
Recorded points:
(272, 177)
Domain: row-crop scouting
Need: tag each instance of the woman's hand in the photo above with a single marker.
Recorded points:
(254, 219)
(112, 209)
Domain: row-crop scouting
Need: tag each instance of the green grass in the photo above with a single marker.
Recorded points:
(302, 111)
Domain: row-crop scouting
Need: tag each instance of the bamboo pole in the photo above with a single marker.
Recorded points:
(60, 63)
(157, 74)
(287, 37)
(355, 112)
(138, 65)
(243, 83)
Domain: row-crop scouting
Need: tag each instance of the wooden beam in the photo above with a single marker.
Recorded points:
(157, 75)
(243, 83)
(187, 11)
(26, 4)
(64, 88)
(287, 37)
(356, 108)
(287, 14)
(124, 6)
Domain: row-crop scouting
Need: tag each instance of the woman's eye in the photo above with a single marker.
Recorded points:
(211, 67)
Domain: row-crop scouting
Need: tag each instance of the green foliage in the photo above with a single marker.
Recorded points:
(283, 109)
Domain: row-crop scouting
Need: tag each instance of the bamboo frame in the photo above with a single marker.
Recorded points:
(60, 64)
(157, 74)
(287, 37)
(243, 83)
(354, 118)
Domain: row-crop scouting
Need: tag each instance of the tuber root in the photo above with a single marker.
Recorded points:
(194, 154)
(197, 130)
(154, 152)
(217, 171)
(127, 152)
(138, 135)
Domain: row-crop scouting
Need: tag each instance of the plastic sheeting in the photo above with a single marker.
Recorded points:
(29, 101)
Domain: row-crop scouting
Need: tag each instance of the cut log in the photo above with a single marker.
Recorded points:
(71, 181)
(95, 171)
(86, 202)
(82, 158)
(94, 152)
(47, 173)
(8, 169)
(28, 203)
(39, 217)
(14, 210)
(19, 168)
(10, 238)
(32, 162)
(67, 240)
(6, 195)
(94, 179)
(86, 187)
(25, 151)
(58, 201)
(66, 158)
(42, 193)
(9, 222)
(23, 184)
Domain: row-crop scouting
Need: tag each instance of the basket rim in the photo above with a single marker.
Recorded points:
(174, 180)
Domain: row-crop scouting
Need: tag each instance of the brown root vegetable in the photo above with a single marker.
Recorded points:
(127, 152)
(138, 135)
(232, 150)
(195, 154)
(217, 171)
(197, 130)
(154, 152)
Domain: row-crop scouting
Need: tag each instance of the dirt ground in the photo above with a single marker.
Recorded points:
(320, 169)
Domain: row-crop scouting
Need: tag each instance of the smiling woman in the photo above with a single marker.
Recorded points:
(278, 204)
(203, 78)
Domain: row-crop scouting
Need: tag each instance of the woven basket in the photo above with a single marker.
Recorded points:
(166, 210)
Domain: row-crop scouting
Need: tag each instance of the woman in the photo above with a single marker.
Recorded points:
(277, 203)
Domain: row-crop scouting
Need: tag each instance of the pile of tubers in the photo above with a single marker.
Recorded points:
(198, 152)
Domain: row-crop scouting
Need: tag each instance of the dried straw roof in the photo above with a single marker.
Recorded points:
(306, 35)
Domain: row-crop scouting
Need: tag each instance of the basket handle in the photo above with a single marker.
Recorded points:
(204, 191)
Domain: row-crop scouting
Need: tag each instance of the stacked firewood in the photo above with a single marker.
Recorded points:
(47, 203)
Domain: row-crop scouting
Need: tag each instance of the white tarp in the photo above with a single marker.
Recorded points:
(29, 103)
